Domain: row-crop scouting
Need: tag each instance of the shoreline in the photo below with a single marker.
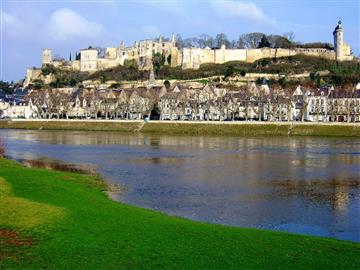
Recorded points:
(77, 216)
(227, 128)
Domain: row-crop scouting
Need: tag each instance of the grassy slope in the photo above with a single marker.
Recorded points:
(83, 229)
(200, 128)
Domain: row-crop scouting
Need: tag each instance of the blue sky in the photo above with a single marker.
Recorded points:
(67, 26)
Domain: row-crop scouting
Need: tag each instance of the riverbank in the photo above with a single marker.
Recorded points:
(61, 220)
(193, 127)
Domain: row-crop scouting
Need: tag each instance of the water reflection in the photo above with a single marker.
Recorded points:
(306, 185)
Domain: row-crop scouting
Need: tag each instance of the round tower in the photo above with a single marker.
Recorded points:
(338, 41)
(46, 56)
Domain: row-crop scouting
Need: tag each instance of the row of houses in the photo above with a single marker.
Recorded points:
(181, 102)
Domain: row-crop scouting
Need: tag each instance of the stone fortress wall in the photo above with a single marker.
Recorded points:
(143, 51)
(194, 57)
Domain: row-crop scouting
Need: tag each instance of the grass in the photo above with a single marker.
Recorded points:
(248, 129)
(198, 128)
(126, 126)
(62, 220)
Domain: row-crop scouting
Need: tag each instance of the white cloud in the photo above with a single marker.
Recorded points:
(65, 24)
(13, 26)
(8, 18)
(244, 10)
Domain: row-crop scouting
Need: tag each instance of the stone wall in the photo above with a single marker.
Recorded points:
(194, 57)
(222, 55)
(103, 63)
(318, 52)
(110, 53)
(31, 75)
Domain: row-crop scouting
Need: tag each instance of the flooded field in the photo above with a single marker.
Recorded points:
(308, 185)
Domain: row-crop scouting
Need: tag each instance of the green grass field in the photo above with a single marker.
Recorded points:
(197, 128)
(61, 220)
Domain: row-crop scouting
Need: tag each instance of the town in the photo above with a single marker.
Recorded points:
(213, 134)
(253, 98)
(187, 102)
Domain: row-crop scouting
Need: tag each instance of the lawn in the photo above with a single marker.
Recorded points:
(61, 220)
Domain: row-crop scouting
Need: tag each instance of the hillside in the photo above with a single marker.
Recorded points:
(338, 73)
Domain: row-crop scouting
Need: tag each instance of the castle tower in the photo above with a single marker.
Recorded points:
(46, 56)
(173, 40)
(338, 41)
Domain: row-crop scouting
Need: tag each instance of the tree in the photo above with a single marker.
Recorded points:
(289, 36)
(38, 84)
(58, 57)
(5, 86)
(168, 59)
(221, 39)
(158, 61)
(179, 41)
(204, 40)
(250, 40)
(229, 71)
(103, 78)
(277, 41)
(167, 84)
(48, 69)
(264, 42)
(73, 82)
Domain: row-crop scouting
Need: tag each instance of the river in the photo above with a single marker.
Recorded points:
(307, 185)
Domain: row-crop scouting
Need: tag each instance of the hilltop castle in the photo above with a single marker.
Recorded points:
(143, 51)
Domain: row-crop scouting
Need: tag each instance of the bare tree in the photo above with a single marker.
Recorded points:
(250, 40)
(205, 40)
(290, 36)
(221, 39)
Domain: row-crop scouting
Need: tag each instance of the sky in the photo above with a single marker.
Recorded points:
(67, 26)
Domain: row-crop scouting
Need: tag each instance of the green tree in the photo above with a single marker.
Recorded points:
(169, 59)
(167, 84)
(73, 82)
(6, 87)
(158, 61)
(103, 78)
(264, 42)
(48, 69)
(229, 71)
(38, 84)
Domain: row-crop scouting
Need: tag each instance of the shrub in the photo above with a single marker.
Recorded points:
(48, 69)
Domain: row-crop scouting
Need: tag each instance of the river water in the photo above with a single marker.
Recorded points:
(308, 185)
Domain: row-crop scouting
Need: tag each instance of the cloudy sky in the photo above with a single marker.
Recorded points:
(67, 26)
